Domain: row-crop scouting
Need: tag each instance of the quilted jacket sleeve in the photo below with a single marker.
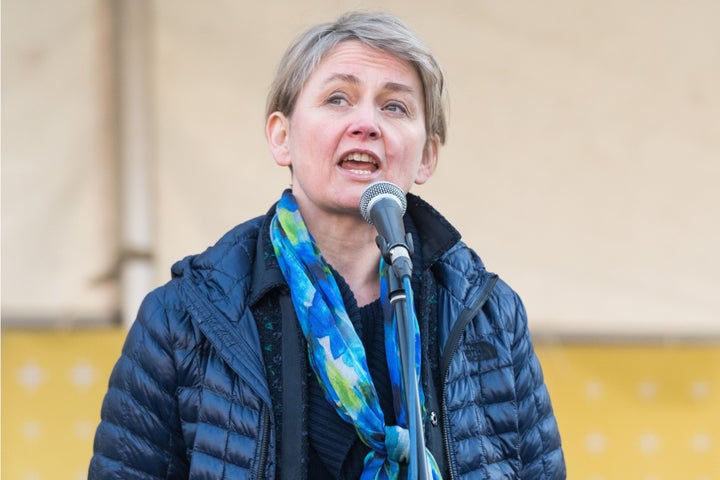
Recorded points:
(139, 436)
(540, 448)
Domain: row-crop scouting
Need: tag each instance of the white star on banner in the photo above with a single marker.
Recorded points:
(31, 376)
(82, 374)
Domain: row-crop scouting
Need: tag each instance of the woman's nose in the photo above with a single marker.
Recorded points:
(365, 124)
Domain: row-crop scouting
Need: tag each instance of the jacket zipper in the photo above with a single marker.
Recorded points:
(451, 347)
(265, 444)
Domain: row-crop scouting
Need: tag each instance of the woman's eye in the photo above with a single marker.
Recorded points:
(396, 107)
(337, 99)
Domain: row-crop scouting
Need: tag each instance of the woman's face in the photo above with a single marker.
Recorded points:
(359, 118)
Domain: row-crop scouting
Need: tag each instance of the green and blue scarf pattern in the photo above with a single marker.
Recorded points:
(335, 351)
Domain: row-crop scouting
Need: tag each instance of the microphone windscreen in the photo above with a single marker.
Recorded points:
(378, 190)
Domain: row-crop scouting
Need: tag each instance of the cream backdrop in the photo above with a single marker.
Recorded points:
(582, 162)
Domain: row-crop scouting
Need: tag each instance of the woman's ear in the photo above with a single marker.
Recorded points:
(429, 161)
(276, 132)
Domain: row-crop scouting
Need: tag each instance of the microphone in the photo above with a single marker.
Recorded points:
(383, 205)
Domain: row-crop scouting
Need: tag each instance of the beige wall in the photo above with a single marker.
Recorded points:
(582, 162)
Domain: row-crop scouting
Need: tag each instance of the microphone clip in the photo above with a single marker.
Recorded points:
(398, 255)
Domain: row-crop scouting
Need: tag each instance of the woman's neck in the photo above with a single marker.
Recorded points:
(348, 244)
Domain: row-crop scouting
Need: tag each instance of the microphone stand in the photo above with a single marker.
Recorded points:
(399, 293)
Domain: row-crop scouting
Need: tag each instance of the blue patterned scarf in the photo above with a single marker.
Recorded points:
(336, 354)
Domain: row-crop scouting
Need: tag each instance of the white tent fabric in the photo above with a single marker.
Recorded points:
(582, 160)
(59, 234)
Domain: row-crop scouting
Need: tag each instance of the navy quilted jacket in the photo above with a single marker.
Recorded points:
(189, 398)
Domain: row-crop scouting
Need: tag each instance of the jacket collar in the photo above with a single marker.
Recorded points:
(266, 274)
(435, 236)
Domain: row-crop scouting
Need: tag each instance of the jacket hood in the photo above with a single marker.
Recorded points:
(221, 271)
(243, 258)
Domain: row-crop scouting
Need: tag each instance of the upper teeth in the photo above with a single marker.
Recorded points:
(360, 157)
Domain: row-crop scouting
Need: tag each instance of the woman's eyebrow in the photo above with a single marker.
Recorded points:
(352, 79)
(342, 77)
(399, 87)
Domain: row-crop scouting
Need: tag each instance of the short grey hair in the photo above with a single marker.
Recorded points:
(377, 30)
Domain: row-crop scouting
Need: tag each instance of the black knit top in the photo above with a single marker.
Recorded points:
(336, 452)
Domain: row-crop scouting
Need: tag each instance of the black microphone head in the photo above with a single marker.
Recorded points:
(377, 190)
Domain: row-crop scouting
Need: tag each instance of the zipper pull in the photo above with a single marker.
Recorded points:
(433, 418)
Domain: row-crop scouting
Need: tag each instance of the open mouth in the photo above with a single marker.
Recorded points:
(360, 163)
